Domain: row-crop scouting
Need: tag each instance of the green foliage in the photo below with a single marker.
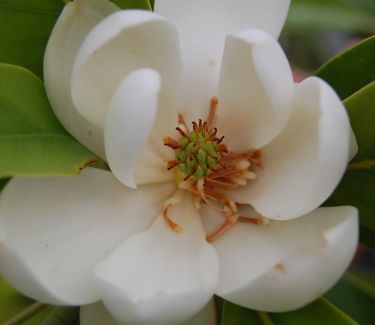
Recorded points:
(319, 312)
(351, 70)
(32, 141)
(357, 188)
(27, 24)
(25, 29)
(356, 295)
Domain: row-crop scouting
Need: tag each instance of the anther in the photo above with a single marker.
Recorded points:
(181, 132)
(168, 141)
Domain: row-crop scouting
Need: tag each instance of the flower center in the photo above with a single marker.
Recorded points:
(204, 166)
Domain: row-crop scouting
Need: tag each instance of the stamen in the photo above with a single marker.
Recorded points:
(172, 164)
(203, 163)
(255, 221)
(212, 114)
(181, 120)
(181, 132)
(167, 205)
(168, 141)
(224, 227)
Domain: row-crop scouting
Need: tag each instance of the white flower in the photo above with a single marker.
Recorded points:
(156, 254)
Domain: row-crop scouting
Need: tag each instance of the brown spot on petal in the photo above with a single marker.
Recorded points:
(89, 133)
(280, 267)
(211, 63)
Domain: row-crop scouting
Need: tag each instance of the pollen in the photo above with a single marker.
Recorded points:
(204, 166)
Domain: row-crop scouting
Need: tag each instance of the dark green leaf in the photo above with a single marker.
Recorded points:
(32, 141)
(3, 182)
(319, 312)
(351, 70)
(234, 315)
(367, 237)
(356, 296)
(62, 316)
(27, 24)
(25, 29)
(133, 4)
(357, 187)
(361, 109)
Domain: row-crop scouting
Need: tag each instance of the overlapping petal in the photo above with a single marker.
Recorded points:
(202, 26)
(74, 23)
(285, 265)
(304, 164)
(56, 229)
(161, 276)
(129, 124)
(255, 90)
(123, 42)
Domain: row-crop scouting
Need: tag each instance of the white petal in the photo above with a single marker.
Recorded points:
(74, 23)
(304, 164)
(161, 276)
(287, 264)
(202, 26)
(56, 229)
(130, 119)
(123, 42)
(97, 314)
(255, 90)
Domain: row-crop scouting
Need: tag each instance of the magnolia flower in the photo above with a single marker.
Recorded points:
(219, 163)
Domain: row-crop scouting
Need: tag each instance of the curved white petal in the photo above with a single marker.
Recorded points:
(286, 264)
(56, 229)
(129, 123)
(74, 23)
(255, 90)
(202, 26)
(97, 314)
(304, 164)
(161, 276)
(123, 42)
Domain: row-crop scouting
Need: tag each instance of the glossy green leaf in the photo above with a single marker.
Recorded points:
(62, 316)
(351, 70)
(356, 296)
(27, 24)
(32, 141)
(133, 4)
(25, 29)
(319, 312)
(357, 187)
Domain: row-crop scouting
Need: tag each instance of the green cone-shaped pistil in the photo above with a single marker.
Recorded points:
(198, 155)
